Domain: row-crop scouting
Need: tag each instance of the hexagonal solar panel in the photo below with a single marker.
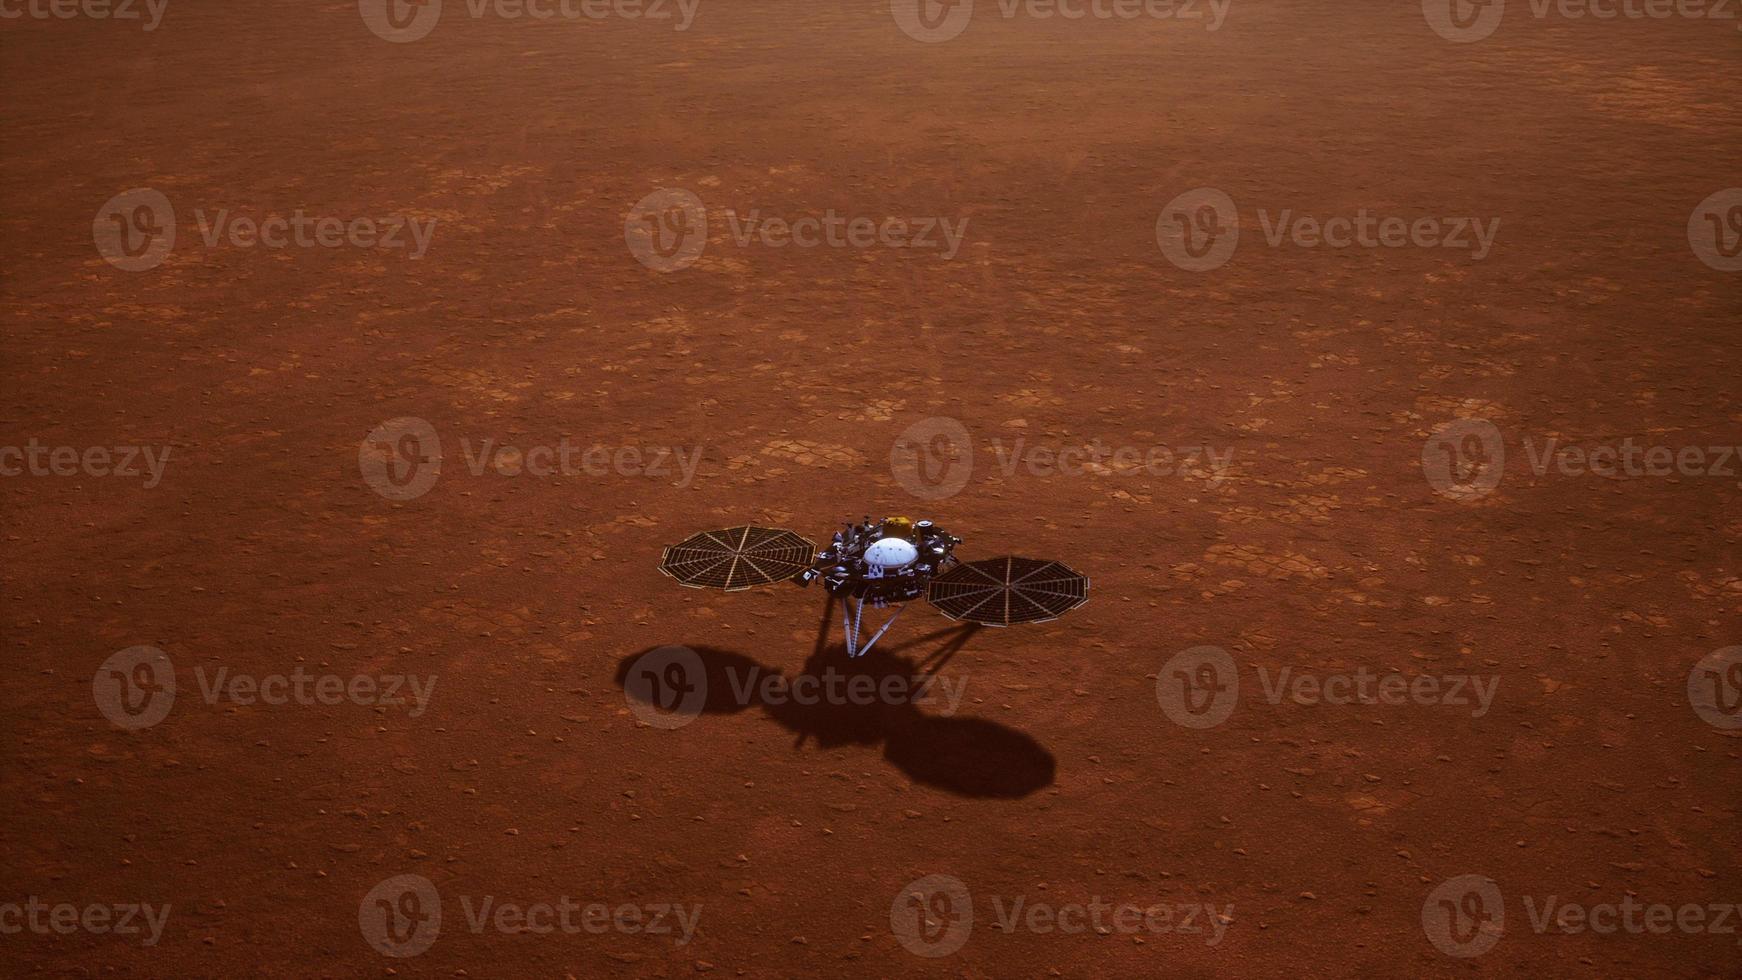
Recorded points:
(737, 558)
(1002, 591)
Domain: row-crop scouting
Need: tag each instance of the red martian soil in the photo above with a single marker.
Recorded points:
(1318, 838)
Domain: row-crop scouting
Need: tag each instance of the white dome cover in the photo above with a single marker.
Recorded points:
(891, 553)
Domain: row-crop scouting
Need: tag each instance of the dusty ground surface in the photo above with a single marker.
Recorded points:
(1318, 831)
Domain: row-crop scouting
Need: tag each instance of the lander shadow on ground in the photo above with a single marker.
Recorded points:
(967, 756)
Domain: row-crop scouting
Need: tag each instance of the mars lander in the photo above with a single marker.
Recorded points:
(887, 563)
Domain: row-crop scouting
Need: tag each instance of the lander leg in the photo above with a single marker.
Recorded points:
(851, 619)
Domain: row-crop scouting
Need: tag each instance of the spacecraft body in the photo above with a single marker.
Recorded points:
(890, 561)
(884, 563)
